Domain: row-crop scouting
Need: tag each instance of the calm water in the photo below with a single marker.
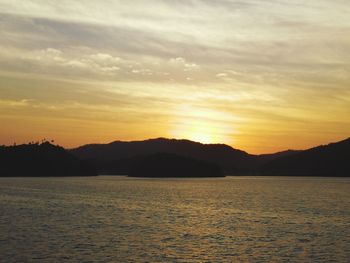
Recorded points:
(119, 219)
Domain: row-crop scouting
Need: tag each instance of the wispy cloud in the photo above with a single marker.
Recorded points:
(277, 66)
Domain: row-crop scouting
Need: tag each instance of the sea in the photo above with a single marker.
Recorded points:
(121, 219)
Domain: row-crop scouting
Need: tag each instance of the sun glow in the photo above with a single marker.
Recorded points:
(198, 131)
(201, 125)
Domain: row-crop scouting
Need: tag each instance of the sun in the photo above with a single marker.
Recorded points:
(198, 131)
(202, 138)
(204, 124)
(200, 125)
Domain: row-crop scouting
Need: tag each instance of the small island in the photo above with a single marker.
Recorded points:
(163, 165)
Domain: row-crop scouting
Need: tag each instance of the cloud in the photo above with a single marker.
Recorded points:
(261, 61)
(99, 63)
(221, 75)
(183, 64)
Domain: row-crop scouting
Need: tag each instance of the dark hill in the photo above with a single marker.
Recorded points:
(262, 159)
(119, 157)
(172, 165)
(41, 160)
(326, 160)
(106, 156)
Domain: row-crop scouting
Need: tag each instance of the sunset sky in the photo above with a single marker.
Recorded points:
(261, 76)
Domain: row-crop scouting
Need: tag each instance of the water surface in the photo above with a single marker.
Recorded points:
(120, 219)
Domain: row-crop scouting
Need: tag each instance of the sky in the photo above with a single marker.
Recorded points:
(259, 75)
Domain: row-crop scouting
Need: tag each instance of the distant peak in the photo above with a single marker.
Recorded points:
(164, 140)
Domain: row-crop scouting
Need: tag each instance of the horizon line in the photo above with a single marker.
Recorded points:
(165, 138)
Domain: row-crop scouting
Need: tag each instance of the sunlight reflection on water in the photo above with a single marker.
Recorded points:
(102, 219)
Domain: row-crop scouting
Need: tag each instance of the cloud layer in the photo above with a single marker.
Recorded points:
(257, 72)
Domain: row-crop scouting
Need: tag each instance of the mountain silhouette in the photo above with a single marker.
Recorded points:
(325, 160)
(116, 156)
(120, 157)
(170, 157)
(41, 160)
(172, 165)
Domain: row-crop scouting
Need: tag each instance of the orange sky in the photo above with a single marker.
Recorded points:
(259, 76)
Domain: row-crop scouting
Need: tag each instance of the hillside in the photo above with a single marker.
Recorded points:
(325, 160)
(120, 157)
(171, 165)
(41, 160)
(105, 155)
